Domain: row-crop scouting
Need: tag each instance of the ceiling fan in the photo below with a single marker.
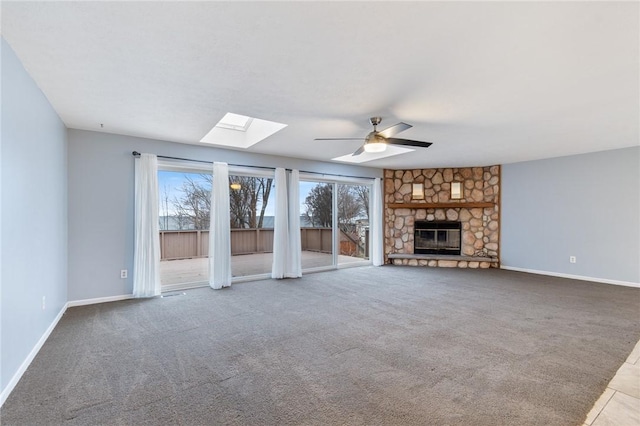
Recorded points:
(377, 141)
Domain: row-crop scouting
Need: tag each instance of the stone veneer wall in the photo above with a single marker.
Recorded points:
(480, 226)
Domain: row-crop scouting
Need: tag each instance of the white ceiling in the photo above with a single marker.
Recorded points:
(487, 83)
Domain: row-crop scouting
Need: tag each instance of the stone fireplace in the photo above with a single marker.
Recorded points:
(438, 230)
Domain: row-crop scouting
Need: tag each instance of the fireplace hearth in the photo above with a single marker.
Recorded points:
(437, 238)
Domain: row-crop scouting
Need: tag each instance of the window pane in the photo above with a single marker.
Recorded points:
(353, 222)
(316, 224)
(184, 205)
(251, 207)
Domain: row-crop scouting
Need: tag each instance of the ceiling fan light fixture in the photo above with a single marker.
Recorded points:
(375, 143)
(375, 147)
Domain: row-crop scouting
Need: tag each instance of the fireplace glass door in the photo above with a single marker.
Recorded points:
(437, 238)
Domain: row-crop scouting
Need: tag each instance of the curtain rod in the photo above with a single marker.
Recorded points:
(137, 154)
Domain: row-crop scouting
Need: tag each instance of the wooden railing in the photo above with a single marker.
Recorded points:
(183, 244)
(195, 243)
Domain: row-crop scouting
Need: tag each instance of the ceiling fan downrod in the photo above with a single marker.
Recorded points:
(375, 121)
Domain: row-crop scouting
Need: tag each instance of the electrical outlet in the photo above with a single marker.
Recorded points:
(44, 300)
(572, 259)
(123, 273)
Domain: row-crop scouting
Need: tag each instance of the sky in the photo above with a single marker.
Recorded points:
(170, 183)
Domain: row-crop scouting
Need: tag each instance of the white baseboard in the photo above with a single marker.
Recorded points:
(83, 302)
(573, 277)
(25, 364)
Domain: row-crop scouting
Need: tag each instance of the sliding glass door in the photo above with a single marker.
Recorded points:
(334, 222)
(353, 223)
(184, 207)
(184, 215)
(251, 204)
(316, 224)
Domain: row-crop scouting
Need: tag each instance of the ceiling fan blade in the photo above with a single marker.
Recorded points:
(408, 142)
(358, 151)
(338, 139)
(394, 130)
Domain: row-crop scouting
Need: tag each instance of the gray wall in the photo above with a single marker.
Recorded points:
(101, 196)
(586, 206)
(34, 215)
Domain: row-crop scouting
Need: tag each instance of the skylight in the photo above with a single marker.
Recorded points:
(370, 156)
(235, 122)
(240, 131)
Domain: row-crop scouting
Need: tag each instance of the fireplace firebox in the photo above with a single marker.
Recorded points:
(437, 238)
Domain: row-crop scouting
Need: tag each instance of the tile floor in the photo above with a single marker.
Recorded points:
(619, 405)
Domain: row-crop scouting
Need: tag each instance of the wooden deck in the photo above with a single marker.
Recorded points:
(197, 270)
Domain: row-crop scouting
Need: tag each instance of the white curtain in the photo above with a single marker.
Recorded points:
(219, 229)
(286, 232)
(377, 244)
(280, 226)
(146, 257)
(293, 267)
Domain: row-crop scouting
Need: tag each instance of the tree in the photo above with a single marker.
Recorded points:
(245, 199)
(362, 195)
(182, 221)
(164, 206)
(193, 207)
(349, 206)
(195, 202)
(353, 203)
(264, 189)
(319, 205)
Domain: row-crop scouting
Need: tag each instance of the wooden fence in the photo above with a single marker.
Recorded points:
(195, 243)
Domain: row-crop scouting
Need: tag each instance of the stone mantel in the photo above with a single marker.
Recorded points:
(438, 205)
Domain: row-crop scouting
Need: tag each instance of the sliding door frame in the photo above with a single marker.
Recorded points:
(335, 240)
